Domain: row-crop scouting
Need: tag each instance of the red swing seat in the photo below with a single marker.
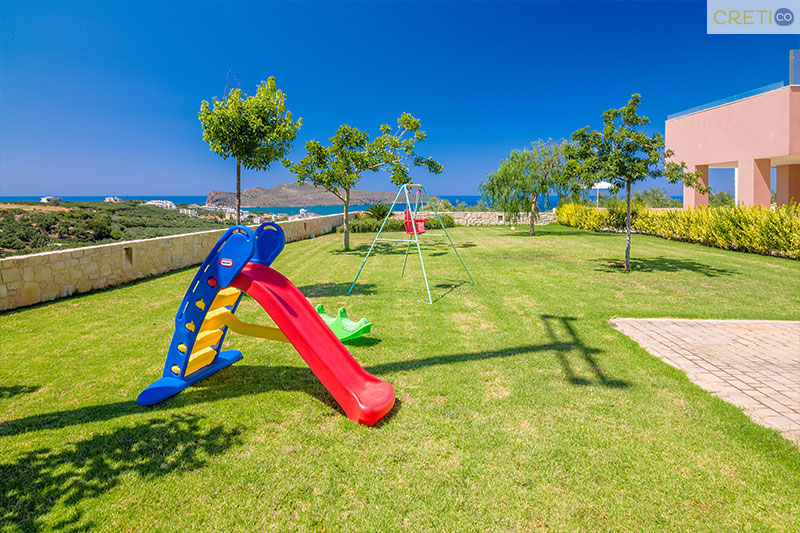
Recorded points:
(410, 224)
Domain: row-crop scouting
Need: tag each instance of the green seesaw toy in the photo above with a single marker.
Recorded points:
(344, 328)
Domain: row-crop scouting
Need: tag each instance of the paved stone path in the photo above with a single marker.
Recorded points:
(753, 364)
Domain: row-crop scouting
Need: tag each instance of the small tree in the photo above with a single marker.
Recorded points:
(525, 175)
(255, 130)
(622, 154)
(339, 167)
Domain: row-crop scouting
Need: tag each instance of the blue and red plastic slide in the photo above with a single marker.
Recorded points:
(239, 264)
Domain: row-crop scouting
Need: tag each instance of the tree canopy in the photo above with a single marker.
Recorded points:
(254, 130)
(622, 153)
(525, 175)
(339, 166)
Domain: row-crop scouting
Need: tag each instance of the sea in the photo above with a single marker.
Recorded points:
(455, 199)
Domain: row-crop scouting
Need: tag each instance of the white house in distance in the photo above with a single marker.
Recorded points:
(164, 204)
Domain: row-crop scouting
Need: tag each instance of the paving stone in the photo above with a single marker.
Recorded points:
(753, 364)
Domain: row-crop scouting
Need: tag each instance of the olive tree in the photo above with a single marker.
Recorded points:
(255, 130)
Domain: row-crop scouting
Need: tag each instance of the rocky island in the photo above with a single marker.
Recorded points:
(294, 195)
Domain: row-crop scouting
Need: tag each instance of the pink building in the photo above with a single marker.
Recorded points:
(752, 135)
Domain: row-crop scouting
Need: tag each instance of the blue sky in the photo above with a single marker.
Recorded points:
(102, 98)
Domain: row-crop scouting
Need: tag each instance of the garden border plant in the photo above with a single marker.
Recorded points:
(755, 229)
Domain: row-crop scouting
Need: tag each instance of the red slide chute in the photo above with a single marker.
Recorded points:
(364, 398)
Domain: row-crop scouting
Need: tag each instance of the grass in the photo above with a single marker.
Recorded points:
(519, 407)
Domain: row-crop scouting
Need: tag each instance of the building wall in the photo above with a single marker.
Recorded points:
(749, 134)
(752, 128)
(794, 120)
(30, 279)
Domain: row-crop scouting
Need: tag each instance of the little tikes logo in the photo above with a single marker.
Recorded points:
(752, 17)
(226, 262)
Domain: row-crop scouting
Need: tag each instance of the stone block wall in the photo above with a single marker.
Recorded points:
(488, 218)
(30, 279)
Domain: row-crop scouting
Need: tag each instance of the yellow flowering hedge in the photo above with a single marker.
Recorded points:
(580, 216)
(756, 229)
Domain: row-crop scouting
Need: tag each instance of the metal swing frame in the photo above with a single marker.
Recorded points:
(418, 202)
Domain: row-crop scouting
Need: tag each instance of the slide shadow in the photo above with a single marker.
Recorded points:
(398, 404)
(244, 380)
(40, 479)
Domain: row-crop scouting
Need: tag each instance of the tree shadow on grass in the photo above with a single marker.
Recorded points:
(234, 381)
(548, 230)
(429, 248)
(663, 264)
(43, 478)
(16, 390)
(320, 290)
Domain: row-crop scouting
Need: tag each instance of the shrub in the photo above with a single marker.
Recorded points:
(720, 199)
(378, 211)
(447, 220)
(367, 224)
(580, 216)
(756, 229)
(655, 197)
(442, 204)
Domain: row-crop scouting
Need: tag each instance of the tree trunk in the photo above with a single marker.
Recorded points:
(534, 209)
(346, 221)
(628, 228)
(238, 192)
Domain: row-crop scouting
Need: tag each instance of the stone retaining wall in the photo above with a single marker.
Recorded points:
(30, 279)
(490, 218)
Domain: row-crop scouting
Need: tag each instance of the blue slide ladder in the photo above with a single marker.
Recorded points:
(195, 354)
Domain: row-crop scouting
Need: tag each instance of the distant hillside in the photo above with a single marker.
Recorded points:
(293, 195)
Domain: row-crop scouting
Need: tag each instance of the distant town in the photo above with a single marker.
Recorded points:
(194, 210)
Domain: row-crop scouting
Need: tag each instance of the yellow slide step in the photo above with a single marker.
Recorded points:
(215, 319)
(200, 359)
(225, 297)
(206, 339)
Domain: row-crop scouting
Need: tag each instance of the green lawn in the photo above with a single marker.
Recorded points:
(519, 407)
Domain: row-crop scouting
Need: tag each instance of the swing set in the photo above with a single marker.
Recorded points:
(415, 227)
